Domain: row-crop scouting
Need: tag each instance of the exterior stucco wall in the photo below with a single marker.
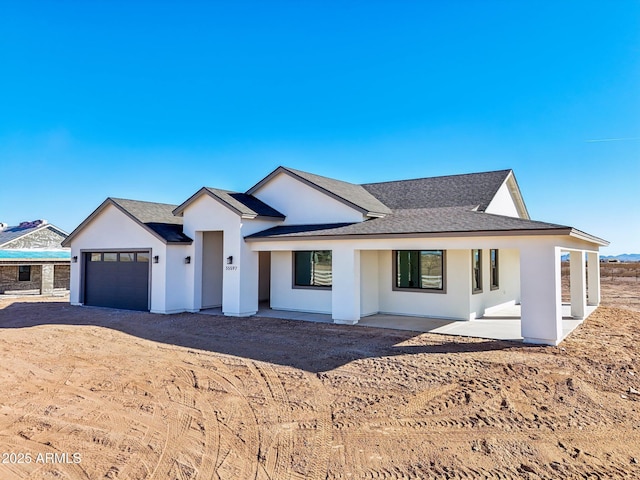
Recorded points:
(112, 230)
(285, 297)
(508, 281)
(240, 278)
(369, 283)
(502, 203)
(303, 204)
(453, 303)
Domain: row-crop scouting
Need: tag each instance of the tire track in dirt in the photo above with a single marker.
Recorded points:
(277, 454)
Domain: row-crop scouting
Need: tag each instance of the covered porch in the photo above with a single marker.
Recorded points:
(503, 324)
(526, 303)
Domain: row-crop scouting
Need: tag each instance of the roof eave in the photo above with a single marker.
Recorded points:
(471, 233)
(588, 237)
(109, 201)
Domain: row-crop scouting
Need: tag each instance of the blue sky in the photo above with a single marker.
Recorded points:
(152, 100)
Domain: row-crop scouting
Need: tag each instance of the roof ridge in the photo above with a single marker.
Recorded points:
(440, 176)
(116, 199)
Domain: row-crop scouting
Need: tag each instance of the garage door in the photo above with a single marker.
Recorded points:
(117, 280)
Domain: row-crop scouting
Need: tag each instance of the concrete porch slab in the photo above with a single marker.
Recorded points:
(503, 324)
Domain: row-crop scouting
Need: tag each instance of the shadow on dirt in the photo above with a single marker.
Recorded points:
(314, 347)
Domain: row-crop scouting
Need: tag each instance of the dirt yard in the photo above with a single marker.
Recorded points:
(96, 393)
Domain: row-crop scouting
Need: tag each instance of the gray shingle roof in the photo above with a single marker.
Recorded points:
(414, 221)
(245, 204)
(349, 193)
(473, 189)
(158, 217)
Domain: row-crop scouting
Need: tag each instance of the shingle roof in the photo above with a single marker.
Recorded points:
(245, 204)
(158, 217)
(415, 221)
(473, 189)
(349, 193)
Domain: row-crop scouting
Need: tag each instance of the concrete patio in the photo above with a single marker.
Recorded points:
(503, 324)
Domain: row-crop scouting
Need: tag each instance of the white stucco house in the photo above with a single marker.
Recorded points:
(455, 247)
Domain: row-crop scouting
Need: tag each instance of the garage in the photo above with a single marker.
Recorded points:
(117, 279)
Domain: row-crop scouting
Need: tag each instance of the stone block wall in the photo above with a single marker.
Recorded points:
(61, 276)
(9, 279)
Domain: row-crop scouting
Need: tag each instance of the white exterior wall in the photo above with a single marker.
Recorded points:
(111, 230)
(508, 280)
(502, 203)
(454, 303)
(285, 297)
(177, 278)
(239, 279)
(303, 204)
(369, 282)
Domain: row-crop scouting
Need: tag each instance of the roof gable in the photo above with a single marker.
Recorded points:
(355, 196)
(156, 218)
(474, 190)
(10, 234)
(245, 205)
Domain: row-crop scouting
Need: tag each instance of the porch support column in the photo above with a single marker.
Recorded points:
(577, 275)
(345, 291)
(593, 278)
(540, 282)
(46, 279)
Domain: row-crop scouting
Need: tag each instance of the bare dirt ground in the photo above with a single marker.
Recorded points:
(135, 395)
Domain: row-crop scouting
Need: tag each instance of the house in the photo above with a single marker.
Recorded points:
(32, 259)
(455, 247)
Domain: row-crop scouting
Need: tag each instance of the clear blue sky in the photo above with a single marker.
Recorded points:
(152, 100)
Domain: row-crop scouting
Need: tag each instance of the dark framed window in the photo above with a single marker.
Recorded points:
(142, 257)
(95, 257)
(127, 256)
(495, 273)
(419, 270)
(109, 257)
(476, 271)
(312, 268)
(24, 273)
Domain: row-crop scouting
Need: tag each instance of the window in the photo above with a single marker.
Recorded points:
(95, 257)
(476, 271)
(312, 268)
(142, 257)
(419, 269)
(127, 257)
(493, 256)
(24, 273)
(110, 257)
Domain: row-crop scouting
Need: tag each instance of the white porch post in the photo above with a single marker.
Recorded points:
(540, 282)
(593, 275)
(345, 291)
(577, 272)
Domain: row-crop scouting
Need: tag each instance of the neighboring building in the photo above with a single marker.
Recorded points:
(32, 260)
(456, 247)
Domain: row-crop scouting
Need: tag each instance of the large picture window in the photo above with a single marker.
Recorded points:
(495, 277)
(312, 268)
(476, 270)
(419, 269)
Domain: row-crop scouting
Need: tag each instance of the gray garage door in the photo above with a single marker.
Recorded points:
(117, 280)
